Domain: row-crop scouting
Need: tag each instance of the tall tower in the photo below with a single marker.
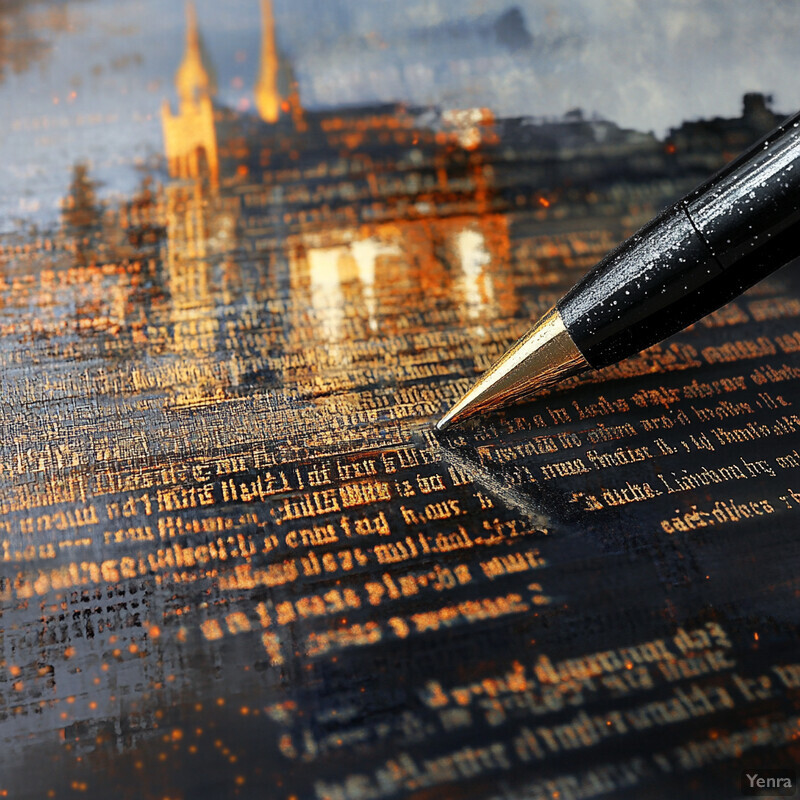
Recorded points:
(190, 138)
(276, 91)
(267, 95)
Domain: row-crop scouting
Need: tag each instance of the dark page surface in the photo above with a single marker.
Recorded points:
(234, 559)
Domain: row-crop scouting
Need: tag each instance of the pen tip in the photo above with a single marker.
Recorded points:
(443, 423)
(542, 357)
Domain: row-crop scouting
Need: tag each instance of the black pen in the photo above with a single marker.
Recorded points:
(733, 230)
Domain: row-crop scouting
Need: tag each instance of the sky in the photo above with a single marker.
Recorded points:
(645, 64)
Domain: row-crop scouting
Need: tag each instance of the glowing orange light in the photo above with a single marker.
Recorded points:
(543, 201)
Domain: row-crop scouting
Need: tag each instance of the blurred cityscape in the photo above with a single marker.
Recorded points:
(375, 206)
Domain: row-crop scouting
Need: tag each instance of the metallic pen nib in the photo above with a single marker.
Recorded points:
(543, 356)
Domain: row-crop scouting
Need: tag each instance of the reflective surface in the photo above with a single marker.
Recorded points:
(235, 559)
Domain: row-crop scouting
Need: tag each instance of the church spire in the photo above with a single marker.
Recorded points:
(190, 136)
(195, 77)
(267, 95)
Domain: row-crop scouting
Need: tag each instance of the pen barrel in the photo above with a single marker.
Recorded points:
(733, 230)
